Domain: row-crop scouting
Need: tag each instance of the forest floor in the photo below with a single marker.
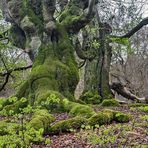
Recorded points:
(133, 134)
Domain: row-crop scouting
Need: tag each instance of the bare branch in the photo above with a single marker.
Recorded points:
(135, 29)
(6, 81)
(8, 74)
(15, 69)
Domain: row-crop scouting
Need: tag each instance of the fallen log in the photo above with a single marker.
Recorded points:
(123, 91)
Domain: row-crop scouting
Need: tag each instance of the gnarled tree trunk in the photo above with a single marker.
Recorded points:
(47, 42)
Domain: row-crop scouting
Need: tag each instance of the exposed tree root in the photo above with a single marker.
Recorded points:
(80, 115)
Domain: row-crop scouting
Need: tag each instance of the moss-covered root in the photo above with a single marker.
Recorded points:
(107, 116)
(101, 118)
(77, 109)
(110, 102)
(67, 125)
(41, 120)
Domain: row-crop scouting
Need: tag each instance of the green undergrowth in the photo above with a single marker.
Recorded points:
(110, 102)
(98, 119)
(143, 108)
(137, 105)
(41, 120)
(140, 108)
(30, 122)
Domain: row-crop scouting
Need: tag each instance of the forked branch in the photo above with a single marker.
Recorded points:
(83, 20)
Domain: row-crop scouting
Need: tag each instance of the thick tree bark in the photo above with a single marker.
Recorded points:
(104, 62)
(96, 77)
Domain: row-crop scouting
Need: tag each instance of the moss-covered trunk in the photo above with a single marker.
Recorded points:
(46, 40)
(54, 69)
(96, 79)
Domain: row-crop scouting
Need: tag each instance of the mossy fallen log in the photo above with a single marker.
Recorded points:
(67, 125)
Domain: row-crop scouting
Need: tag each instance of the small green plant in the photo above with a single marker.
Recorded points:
(133, 109)
(145, 117)
(143, 109)
(52, 102)
(91, 98)
(17, 131)
(97, 136)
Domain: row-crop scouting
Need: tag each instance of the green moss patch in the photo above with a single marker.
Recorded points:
(101, 118)
(110, 102)
(67, 125)
(77, 109)
(121, 117)
(8, 128)
(82, 110)
(91, 98)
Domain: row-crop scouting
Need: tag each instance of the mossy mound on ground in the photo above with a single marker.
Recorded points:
(101, 118)
(82, 110)
(67, 125)
(121, 117)
(41, 119)
(91, 98)
(110, 102)
(118, 116)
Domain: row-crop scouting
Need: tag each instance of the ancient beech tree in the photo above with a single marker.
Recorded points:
(46, 40)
